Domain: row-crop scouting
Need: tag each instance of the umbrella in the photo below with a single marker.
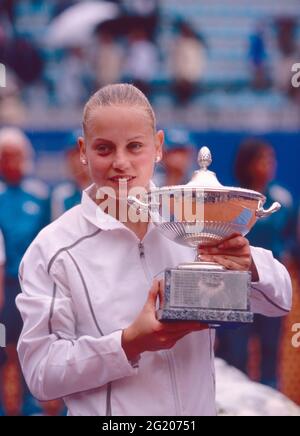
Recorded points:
(75, 26)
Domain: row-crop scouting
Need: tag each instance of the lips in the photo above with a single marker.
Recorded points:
(122, 179)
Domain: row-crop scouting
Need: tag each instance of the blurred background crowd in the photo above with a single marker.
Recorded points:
(218, 72)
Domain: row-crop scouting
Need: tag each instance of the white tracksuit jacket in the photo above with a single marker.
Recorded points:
(84, 279)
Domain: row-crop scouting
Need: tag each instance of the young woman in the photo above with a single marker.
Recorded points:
(90, 332)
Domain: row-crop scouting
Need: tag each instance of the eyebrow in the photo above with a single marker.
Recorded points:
(135, 138)
(111, 142)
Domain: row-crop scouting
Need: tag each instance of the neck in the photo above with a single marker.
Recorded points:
(139, 229)
(120, 210)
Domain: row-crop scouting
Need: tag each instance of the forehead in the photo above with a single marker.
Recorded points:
(12, 149)
(266, 152)
(114, 121)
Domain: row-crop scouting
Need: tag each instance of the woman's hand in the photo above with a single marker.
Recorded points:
(148, 334)
(233, 253)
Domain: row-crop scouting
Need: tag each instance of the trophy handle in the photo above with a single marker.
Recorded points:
(139, 205)
(151, 209)
(262, 213)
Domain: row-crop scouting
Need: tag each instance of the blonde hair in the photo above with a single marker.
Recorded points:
(118, 95)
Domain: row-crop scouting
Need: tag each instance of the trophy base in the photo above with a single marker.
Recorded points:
(214, 297)
(214, 318)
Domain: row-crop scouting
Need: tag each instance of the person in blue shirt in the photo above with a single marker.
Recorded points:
(179, 158)
(24, 211)
(68, 194)
(255, 169)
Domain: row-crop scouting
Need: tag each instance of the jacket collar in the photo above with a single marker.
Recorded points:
(95, 215)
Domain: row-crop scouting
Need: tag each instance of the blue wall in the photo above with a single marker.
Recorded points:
(223, 146)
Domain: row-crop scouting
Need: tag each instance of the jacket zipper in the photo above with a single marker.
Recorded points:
(174, 383)
(144, 262)
(108, 400)
(169, 356)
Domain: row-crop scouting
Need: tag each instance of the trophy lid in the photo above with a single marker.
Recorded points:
(205, 178)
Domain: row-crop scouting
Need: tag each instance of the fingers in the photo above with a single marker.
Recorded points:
(244, 251)
(153, 294)
(235, 242)
(183, 327)
(176, 336)
(161, 285)
(233, 253)
(233, 236)
(230, 262)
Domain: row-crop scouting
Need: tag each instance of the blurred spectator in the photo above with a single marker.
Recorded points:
(68, 195)
(20, 56)
(109, 59)
(12, 109)
(6, 7)
(255, 169)
(142, 60)
(290, 361)
(178, 159)
(24, 204)
(2, 263)
(258, 57)
(146, 10)
(73, 85)
(188, 62)
(61, 5)
(25, 60)
(31, 17)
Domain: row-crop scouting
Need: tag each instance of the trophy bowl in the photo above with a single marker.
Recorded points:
(204, 212)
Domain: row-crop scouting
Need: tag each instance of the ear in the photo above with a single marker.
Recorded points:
(159, 142)
(82, 149)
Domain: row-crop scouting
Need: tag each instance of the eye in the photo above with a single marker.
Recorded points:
(135, 146)
(103, 149)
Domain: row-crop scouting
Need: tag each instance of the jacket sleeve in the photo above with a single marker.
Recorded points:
(272, 294)
(57, 363)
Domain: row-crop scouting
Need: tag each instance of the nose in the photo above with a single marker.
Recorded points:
(121, 162)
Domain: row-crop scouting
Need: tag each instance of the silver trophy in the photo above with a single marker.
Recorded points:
(204, 212)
